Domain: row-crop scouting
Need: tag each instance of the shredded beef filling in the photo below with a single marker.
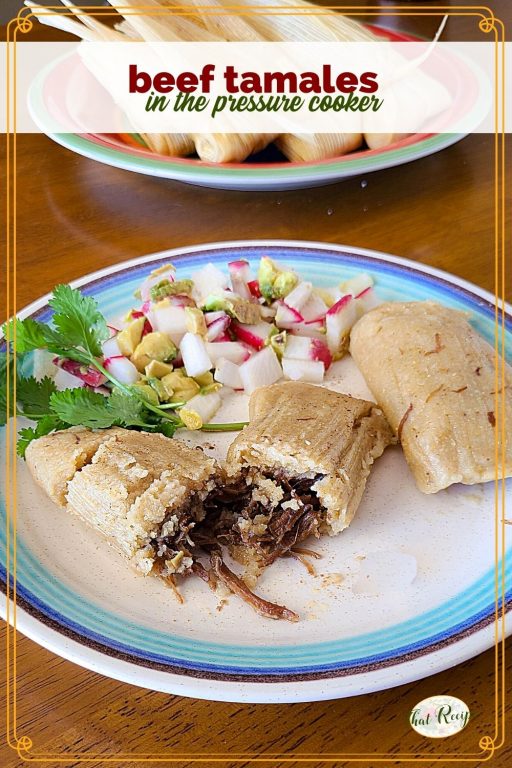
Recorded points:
(203, 527)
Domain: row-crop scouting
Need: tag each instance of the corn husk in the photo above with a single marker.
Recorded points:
(171, 144)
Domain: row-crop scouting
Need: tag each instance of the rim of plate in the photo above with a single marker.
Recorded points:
(114, 152)
(460, 642)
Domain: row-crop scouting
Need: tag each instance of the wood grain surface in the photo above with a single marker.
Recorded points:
(76, 216)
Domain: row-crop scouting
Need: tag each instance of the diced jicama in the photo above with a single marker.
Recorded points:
(122, 369)
(211, 317)
(339, 320)
(231, 350)
(208, 280)
(314, 309)
(195, 356)
(254, 335)
(168, 319)
(311, 330)
(357, 284)
(303, 370)
(228, 373)
(218, 328)
(111, 347)
(240, 274)
(65, 380)
(298, 297)
(287, 317)
(367, 300)
(200, 409)
(261, 370)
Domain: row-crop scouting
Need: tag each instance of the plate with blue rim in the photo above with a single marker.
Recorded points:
(78, 598)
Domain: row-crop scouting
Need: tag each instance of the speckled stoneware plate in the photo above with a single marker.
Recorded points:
(268, 170)
(82, 601)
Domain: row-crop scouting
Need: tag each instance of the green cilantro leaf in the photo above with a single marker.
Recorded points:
(78, 319)
(34, 396)
(46, 425)
(167, 428)
(30, 334)
(127, 410)
(82, 407)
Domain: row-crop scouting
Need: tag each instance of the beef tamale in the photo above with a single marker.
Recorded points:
(435, 379)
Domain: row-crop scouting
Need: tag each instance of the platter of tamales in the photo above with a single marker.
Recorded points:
(252, 161)
(265, 471)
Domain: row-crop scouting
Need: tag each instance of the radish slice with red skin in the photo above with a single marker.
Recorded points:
(314, 309)
(65, 380)
(254, 335)
(286, 316)
(299, 296)
(231, 350)
(367, 300)
(254, 288)
(218, 328)
(339, 320)
(122, 369)
(211, 317)
(91, 377)
(240, 274)
(111, 347)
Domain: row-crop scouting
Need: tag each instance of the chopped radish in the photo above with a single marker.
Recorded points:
(314, 309)
(111, 347)
(298, 347)
(286, 316)
(312, 330)
(267, 313)
(208, 280)
(195, 355)
(211, 317)
(65, 380)
(320, 351)
(90, 376)
(261, 370)
(367, 300)
(254, 288)
(357, 284)
(240, 274)
(303, 370)
(228, 373)
(304, 348)
(254, 335)
(224, 337)
(170, 320)
(339, 320)
(231, 350)
(298, 297)
(122, 369)
(147, 328)
(218, 327)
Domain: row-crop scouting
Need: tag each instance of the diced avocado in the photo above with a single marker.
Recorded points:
(154, 346)
(156, 369)
(166, 288)
(277, 340)
(195, 321)
(267, 273)
(284, 283)
(243, 310)
(207, 383)
(205, 379)
(159, 388)
(129, 338)
(179, 387)
(275, 283)
(147, 392)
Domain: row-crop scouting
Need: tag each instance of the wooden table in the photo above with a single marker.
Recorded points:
(76, 216)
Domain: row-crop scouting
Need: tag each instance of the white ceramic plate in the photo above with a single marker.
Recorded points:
(79, 599)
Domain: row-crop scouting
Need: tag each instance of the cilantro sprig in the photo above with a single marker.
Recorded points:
(77, 333)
